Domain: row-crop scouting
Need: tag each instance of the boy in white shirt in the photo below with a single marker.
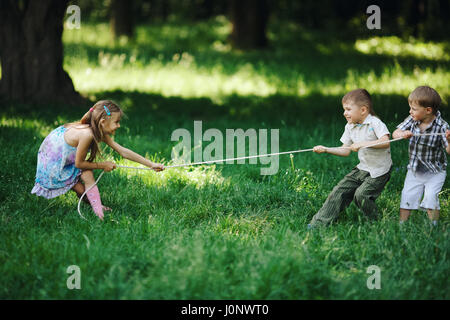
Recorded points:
(366, 181)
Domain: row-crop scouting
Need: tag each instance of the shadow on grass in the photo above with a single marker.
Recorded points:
(291, 110)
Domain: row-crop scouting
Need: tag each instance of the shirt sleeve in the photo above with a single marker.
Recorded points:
(444, 140)
(406, 124)
(380, 128)
(345, 139)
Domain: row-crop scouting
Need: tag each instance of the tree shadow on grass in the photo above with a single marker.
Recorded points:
(273, 109)
(156, 116)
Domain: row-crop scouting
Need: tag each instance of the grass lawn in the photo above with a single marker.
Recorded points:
(222, 231)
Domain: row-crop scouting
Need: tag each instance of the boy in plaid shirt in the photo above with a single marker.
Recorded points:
(427, 159)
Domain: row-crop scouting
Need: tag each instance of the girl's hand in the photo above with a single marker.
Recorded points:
(320, 149)
(109, 166)
(158, 167)
(447, 135)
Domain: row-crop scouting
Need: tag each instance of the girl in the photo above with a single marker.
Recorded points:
(62, 156)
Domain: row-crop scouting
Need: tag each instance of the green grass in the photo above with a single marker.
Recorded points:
(221, 231)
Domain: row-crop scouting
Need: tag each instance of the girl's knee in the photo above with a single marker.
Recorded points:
(87, 173)
(87, 176)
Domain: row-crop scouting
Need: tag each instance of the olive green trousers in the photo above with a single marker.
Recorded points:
(357, 186)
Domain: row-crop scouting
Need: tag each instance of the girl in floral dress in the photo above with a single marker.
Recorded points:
(62, 163)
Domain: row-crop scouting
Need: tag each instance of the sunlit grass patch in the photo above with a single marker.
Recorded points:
(396, 47)
(166, 37)
(31, 124)
(395, 80)
(172, 79)
(198, 176)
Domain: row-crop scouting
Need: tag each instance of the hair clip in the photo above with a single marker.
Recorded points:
(91, 110)
(107, 110)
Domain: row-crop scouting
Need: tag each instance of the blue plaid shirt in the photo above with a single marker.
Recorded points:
(427, 152)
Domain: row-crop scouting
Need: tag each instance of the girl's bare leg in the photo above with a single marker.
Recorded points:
(79, 190)
(79, 187)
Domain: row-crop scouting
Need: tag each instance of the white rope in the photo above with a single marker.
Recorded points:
(371, 145)
(241, 158)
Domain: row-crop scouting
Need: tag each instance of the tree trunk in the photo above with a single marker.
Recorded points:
(249, 18)
(204, 9)
(31, 52)
(122, 23)
(417, 16)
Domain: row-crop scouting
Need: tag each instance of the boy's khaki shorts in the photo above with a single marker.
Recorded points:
(418, 184)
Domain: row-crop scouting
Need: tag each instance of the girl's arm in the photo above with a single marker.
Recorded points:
(84, 142)
(356, 146)
(343, 151)
(131, 155)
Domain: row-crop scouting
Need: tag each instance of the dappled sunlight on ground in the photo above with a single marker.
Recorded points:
(173, 80)
(198, 176)
(395, 80)
(39, 127)
(396, 47)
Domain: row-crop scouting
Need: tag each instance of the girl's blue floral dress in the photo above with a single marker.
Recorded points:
(56, 172)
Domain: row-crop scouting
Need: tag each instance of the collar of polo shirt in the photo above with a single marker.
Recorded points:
(366, 121)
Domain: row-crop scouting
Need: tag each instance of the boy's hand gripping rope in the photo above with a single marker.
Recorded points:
(241, 158)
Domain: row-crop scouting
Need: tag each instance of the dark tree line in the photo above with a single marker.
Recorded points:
(31, 50)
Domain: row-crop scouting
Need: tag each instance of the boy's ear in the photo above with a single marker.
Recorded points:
(429, 109)
(365, 108)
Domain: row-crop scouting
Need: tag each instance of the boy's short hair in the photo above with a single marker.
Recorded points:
(425, 97)
(359, 97)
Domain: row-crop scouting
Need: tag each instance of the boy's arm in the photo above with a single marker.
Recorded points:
(343, 151)
(356, 146)
(131, 155)
(402, 130)
(399, 133)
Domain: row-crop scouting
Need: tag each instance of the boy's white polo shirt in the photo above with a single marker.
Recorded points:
(376, 161)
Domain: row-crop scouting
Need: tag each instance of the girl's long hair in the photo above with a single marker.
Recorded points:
(92, 118)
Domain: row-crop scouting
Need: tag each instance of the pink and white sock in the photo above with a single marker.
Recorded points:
(94, 199)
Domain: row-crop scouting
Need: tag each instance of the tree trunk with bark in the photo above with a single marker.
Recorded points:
(122, 23)
(31, 53)
(249, 19)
